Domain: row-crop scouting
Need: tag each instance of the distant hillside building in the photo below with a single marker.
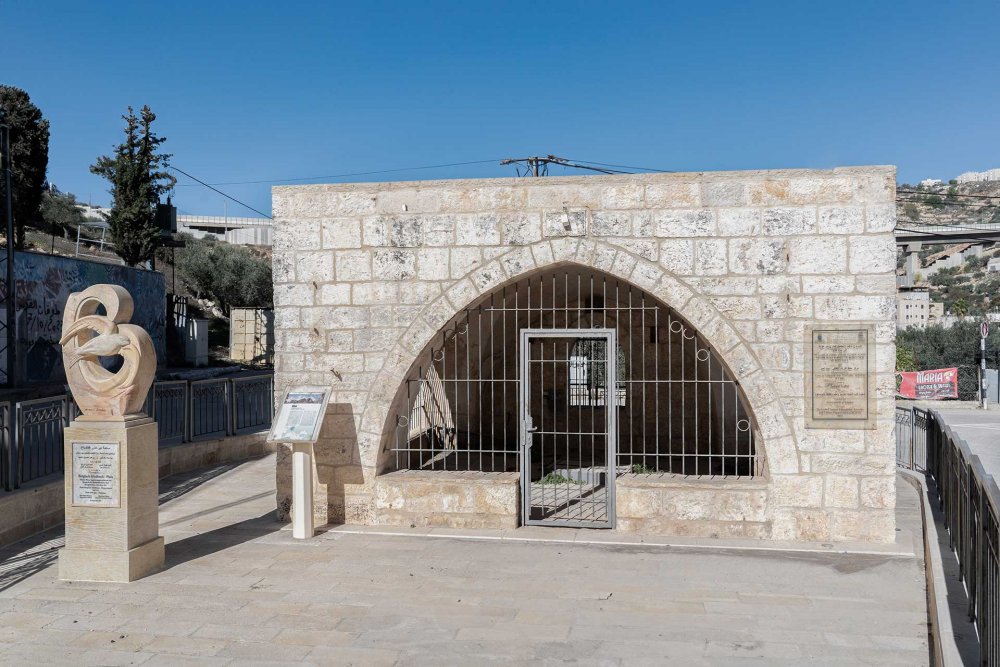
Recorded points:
(935, 313)
(913, 307)
(979, 176)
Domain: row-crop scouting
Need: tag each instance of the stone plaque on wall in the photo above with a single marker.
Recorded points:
(96, 474)
(840, 376)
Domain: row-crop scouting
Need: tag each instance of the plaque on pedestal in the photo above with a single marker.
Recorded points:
(96, 474)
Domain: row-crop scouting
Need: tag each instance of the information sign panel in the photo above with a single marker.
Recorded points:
(300, 415)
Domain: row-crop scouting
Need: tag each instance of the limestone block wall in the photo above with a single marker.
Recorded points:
(447, 498)
(366, 274)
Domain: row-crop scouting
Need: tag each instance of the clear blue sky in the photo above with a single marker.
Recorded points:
(276, 90)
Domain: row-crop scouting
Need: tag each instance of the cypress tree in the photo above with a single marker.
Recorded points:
(138, 177)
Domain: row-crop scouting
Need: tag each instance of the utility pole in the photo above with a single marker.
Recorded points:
(536, 166)
(10, 294)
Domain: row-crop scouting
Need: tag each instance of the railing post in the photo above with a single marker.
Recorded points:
(231, 386)
(229, 398)
(60, 443)
(982, 549)
(15, 471)
(8, 446)
(913, 435)
(188, 397)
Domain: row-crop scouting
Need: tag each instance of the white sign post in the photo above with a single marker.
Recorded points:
(298, 423)
(984, 331)
(303, 526)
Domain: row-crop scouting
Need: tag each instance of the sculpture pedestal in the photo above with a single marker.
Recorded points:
(112, 500)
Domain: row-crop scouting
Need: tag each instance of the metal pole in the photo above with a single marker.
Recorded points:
(982, 370)
(11, 294)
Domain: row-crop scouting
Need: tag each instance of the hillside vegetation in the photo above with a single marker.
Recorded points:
(965, 289)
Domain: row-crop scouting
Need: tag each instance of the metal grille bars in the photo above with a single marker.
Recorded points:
(679, 409)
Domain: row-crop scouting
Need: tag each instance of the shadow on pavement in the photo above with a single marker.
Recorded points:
(177, 485)
(21, 560)
(205, 544)
(29, 556)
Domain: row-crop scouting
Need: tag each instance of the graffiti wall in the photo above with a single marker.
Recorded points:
(44, 282)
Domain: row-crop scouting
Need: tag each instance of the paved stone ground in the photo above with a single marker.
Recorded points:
(239, 590)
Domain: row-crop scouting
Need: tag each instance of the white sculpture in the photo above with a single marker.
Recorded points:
(87, 336)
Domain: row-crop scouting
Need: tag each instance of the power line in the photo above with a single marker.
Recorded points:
(401, 169)
(181, 171)
(349, 175)
(942, 204)
(938, 239)
(951, 225)
(947, 195)
(625, 166)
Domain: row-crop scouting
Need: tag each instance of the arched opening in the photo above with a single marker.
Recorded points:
(523, 380)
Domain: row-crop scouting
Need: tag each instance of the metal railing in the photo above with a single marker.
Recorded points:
(210, 416)
(970, 502)
(253, 403)
(31, 432)
(170, 410)
(38, 436)
(911, 438)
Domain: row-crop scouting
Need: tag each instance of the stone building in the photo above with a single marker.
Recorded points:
(913, 307)
(626, 351)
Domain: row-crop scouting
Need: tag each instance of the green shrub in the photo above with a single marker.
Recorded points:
(230, 275)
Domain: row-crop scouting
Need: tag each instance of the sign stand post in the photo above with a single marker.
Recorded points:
(297, 425)
(303, 526)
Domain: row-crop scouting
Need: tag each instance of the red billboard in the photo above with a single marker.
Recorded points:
(938, 383)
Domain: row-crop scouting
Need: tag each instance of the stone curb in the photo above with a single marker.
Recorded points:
(666, 542)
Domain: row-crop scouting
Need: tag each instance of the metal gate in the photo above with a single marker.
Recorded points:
(570, 396)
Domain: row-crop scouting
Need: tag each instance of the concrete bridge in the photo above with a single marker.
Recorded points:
(246, 231)
(908, 233)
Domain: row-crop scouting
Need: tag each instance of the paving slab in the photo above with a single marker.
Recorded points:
(238, 589)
